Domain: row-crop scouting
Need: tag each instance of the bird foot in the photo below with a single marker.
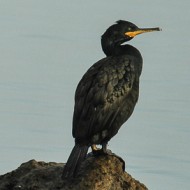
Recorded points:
(102, 152)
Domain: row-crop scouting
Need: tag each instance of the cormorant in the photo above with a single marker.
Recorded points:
(107, 93)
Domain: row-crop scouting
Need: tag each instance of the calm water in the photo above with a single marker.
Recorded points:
(45, 43)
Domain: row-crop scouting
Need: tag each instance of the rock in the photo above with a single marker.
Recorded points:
(103, 172)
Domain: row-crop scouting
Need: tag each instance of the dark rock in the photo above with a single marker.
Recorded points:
(103, 172)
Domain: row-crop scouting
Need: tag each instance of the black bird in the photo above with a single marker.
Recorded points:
(107, 93)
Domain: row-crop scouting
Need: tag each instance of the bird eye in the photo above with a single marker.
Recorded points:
(129, 28)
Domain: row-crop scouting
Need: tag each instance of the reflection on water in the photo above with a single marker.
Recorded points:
(44, 52)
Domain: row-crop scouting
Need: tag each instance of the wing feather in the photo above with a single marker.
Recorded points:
(100, 94)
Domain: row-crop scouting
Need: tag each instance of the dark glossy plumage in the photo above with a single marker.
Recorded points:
(107, 93)
(105, 98)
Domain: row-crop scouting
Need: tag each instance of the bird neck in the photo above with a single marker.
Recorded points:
(116, 49)
(111, 48)
(136, 56)
(130, 50)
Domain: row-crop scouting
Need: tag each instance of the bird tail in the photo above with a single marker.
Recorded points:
(76, 157)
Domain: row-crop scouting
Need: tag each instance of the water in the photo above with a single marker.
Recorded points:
(46, 43)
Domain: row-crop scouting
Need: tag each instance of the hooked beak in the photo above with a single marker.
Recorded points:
(140, 31)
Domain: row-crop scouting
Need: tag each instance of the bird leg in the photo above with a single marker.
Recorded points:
(104, 147)
(94, 148)
(103, 150)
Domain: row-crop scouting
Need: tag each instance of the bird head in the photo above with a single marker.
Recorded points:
(122, 31)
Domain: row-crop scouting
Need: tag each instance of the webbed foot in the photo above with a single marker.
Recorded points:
(103, 150)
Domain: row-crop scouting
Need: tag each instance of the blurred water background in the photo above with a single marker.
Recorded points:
(45, 48)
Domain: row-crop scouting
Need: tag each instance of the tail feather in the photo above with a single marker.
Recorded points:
(76, 157)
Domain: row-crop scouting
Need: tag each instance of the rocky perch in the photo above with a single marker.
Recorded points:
(103, 172)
